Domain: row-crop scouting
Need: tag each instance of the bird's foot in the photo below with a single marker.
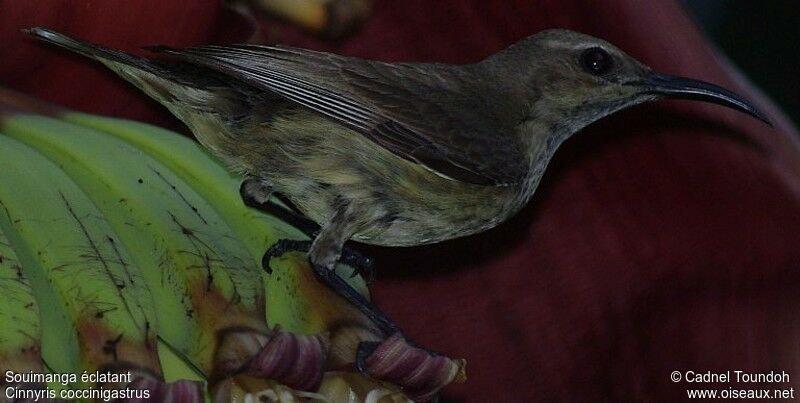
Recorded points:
(420, 372)
(361, 264)
(329, 277)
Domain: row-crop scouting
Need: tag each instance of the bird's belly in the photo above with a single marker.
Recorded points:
(393, 214)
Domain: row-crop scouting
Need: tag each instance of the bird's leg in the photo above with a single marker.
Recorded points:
(256, 193)
(323, 254)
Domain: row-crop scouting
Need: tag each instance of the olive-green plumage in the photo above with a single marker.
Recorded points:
(396, 154)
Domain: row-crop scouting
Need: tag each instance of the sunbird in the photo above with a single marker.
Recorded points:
(394, 154)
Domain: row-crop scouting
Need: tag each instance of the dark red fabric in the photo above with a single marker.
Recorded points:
(663, 238)
(126, 25)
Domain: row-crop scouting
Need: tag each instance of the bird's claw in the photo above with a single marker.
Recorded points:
(281, 247)
(360, 263)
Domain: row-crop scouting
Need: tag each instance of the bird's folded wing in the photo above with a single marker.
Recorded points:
(416, 111)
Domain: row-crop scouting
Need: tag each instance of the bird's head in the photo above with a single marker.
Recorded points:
(580, 79)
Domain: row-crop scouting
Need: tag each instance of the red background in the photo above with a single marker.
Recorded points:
(663, 238)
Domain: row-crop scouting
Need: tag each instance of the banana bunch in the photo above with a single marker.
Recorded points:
(125, 248)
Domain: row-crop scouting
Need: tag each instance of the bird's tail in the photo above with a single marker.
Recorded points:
(208, 103)
(90, 50)
(177, 87)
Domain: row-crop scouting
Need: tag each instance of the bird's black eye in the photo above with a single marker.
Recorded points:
(596, 61)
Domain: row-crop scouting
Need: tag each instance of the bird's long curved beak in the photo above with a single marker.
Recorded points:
(686, 88)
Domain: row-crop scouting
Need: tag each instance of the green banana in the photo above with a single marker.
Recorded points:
(98, 315)
(202, 277)
(20, 333)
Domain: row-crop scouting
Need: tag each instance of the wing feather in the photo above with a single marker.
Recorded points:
(421, 112)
